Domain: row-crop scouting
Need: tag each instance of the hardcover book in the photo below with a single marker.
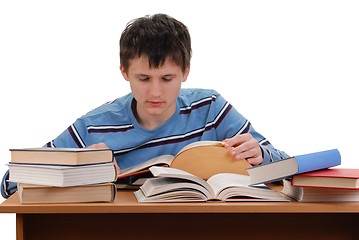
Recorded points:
(329, 178)
(286, 168)
(31, 194)
(62, 156)
(62, 175)
(315, 194)
(203, 159)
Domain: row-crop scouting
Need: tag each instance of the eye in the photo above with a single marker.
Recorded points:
(167, 78)
(143, 78)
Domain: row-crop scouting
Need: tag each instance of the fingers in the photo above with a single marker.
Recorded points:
(104, 145)
(255, 161)
(246, 153)
(244, 146)
(98, 145)
(236, 140)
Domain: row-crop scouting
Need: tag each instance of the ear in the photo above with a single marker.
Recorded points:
(185, 75)
(124, 73)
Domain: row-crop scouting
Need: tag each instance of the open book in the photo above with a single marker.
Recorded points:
(202, 158)
(175, 185)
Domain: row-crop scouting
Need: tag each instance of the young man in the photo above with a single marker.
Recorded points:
(158, 117)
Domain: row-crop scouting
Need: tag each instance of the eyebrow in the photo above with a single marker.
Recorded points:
(145, 75)
(140, 75)
(169, 75)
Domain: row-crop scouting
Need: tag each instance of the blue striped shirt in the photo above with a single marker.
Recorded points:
(201, 114)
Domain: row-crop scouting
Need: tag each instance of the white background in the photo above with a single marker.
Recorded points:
(290, 67)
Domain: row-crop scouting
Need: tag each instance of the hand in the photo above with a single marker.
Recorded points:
(244, 146)
(103, 145)
(98, 145)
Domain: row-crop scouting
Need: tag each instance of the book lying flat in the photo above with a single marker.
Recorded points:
(62, 175)
(203, 159)
(315, 194)
(62, 156)
(279, 170)
(175, 185)
(330, 178)
(31, 194)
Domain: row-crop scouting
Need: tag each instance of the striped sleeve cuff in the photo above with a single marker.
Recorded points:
(7, 188)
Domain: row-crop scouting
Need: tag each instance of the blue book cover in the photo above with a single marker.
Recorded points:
(318, 160)
(285, 168)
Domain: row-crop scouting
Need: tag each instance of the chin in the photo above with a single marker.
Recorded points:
(155, 112)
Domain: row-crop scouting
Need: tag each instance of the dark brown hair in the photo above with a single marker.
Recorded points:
(158, 37)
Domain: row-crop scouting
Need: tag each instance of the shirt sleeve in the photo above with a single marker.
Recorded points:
(73, 137)
(235, 123)
(7, 188)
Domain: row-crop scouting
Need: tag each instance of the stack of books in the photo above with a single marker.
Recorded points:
(63, 175)
(313, 177)
(328, 185)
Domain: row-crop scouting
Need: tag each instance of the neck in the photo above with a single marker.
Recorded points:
(149, 121)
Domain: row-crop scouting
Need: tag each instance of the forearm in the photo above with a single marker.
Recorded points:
(271, 154)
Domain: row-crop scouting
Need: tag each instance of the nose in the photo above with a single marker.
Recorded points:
(156, 88)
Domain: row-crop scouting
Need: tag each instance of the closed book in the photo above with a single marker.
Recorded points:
(315, 194)
(282, 169)
(62, 156)
(329, 178)
(62, 175)
(32, 194)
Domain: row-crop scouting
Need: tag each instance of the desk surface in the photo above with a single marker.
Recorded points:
(126, 202)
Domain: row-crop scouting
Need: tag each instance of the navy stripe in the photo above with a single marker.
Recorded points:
(264, 142)
(196, 105)
(4, 186)
(270, 155)
(160, 143)
(50, 144)
(224, 114)
(109, 129)
(245, 128)
(180, 138)
(173, 141)
(75, 136)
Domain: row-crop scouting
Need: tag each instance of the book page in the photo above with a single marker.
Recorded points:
(160, 160)
(180, 174)
(201, 143)
(180, 196)
(221, 181)
(173, 187)
(235, 187)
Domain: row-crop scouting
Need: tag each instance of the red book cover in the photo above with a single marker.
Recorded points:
(331, 178)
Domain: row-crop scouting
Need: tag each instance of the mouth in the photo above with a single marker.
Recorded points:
(155, 104)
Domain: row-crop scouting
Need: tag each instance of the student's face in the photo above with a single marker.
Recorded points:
(155, 89)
